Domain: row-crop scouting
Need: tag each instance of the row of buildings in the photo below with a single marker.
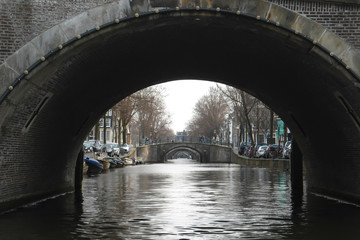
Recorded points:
(113, 129)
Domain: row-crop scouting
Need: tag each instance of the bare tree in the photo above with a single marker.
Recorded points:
(151, 119)
(249, 111)
(123, 112)
(209, 114)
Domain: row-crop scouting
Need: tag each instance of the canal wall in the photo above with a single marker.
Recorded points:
(281, 164)
(219, 154)
(149, 154)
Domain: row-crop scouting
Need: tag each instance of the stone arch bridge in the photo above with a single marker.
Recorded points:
(205, 153)
(60, 72)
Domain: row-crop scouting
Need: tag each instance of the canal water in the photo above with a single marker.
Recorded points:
(183, 199)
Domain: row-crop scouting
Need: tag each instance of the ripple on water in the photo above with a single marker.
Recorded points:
(184, 201)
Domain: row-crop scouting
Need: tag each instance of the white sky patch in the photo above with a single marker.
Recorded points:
(181, 98)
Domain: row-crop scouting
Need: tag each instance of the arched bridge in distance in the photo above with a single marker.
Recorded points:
(204, 153)
(57, 85)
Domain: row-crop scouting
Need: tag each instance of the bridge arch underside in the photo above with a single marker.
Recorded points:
(47, 115)
(184, 152)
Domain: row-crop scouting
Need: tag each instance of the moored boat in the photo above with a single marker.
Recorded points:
(139, 161)
(129, 161)
(85, 167)
(120, 162)
(116, 162)
(113, 163)
(94, 165)
(104, 161)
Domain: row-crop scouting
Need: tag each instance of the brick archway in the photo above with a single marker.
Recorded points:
(55, 88)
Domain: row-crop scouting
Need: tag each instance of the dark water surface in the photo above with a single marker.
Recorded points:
(183, 199)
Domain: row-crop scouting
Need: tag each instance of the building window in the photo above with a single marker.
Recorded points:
(107, 135)
(108, 122)
(109, 113)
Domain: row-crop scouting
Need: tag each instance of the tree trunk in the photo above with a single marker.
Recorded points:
(97, 131)
(248, 123)
(119, 131)
(104, 128)
(242, 137)
(124, 132)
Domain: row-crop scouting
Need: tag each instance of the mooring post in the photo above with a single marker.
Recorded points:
(296, 169)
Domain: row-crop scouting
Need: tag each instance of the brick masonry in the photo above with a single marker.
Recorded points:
(341, 18)
(22, 20)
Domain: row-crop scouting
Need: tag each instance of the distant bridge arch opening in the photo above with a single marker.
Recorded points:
(178, 152)
(55, 88)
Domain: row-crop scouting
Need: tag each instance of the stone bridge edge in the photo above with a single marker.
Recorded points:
(33, 55)
(234, 157)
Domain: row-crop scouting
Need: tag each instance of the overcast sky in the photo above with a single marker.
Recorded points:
(181, 98)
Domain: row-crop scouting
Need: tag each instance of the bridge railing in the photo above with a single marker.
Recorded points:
(184, 139)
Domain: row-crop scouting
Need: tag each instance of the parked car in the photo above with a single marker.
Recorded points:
(87, 147)
(96, 145)
(249, 151)
(111, 149)
(273, 151)
(261, 151)
(257, 146)
(244, 146)
(107, 148)
(116, 149)
(124, 148)
(287, 152)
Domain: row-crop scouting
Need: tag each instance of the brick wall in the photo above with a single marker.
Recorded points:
(22, 20)
(341, 18)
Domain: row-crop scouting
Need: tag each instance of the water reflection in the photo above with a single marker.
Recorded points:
(184, 200)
